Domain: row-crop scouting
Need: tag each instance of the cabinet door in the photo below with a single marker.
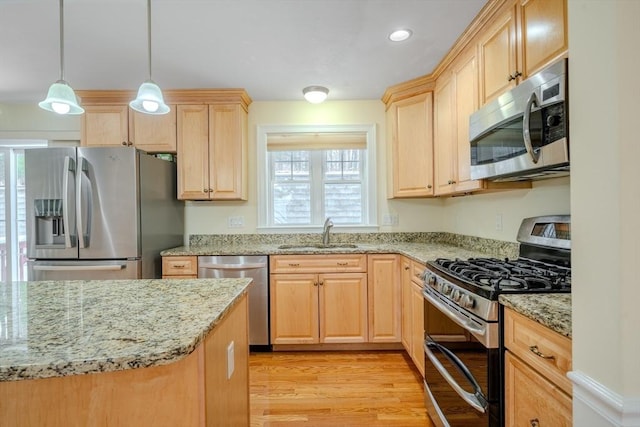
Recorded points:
(532, 400)
(412, 147)
(444, 125)
(294, 308)
(343, 307)
(417, 322)
(154, 133)
(539, 48)
(497, 52)
(384, 298)
(193, 152)
(407, 317)
(105, 125)
(465, 73)
(227, 152)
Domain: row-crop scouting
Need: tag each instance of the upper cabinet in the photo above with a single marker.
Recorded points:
(410, 122)
(207, 128)
(518, 41)
(108, 122)
(212, 152)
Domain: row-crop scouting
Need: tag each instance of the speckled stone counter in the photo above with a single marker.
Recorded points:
(550, 310)
(61, 328)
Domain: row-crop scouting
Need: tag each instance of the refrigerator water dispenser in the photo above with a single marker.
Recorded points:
(49, 223)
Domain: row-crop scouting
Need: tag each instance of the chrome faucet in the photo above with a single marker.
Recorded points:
(325, 231)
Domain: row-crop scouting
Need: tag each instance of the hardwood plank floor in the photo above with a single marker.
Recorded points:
(380, 388)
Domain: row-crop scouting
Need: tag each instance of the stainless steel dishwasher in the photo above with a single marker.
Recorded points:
(254, 267)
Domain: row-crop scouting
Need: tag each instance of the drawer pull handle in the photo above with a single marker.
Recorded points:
(293, 264)
(178, 266)
(534, 350)
(343, 264)
(407, 268)
(534, 422)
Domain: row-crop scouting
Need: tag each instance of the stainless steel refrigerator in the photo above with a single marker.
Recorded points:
(99, 213)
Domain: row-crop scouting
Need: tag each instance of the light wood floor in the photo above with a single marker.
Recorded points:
(335, 389)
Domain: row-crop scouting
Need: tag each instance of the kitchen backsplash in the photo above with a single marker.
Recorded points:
(497, 247)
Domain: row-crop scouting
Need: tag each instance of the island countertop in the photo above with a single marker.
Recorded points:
(61, 328)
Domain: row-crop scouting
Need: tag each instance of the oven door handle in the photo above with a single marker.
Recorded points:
(458, 319)
(476, 400)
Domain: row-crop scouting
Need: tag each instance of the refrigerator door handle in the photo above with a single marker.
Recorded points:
(79, 267)
(69, 168)
(82, 237)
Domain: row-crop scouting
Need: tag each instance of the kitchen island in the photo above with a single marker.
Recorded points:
(139, 352)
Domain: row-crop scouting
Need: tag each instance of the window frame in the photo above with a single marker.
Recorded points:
(265, 222)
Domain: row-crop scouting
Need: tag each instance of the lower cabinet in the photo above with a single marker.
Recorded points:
(318, 308)
(537, 390)
(384, 298)
(413, 312)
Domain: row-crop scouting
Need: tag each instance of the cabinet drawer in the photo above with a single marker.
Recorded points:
(416, 272)
(546, 351)
(179, 265)
(531, 399)
(338, 263)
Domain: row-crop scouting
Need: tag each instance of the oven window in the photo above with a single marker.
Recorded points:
(471, 366)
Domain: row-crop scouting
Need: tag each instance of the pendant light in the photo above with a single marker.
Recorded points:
(61, 98)
(149, 99)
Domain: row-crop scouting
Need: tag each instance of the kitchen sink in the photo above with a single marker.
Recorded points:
(320, 246)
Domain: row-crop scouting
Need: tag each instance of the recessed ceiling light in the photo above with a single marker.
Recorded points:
(400, 35)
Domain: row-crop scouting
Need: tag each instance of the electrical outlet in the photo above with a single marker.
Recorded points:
(235, 221)
(390, 219)
(498, 222)
(230, 360)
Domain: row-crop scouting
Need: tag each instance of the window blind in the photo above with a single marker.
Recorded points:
(316, 141)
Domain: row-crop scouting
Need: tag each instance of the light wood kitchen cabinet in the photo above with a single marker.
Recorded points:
(521, 40)
(384, 297)
(179, 267)
(411, 155)
(326, 306)
(413, 312)
(537, 359)
(109, 122)
(212, 152)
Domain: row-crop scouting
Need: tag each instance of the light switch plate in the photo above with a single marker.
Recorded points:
(235, 221)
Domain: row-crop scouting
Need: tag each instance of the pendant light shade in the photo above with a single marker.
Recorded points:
(61, 98)
(149, 99)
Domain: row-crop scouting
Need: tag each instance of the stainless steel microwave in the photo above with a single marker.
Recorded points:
(524, 134)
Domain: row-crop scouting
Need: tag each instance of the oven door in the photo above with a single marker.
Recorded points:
(461, 372)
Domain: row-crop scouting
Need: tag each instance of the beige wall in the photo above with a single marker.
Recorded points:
(605, 191)
(26, 121)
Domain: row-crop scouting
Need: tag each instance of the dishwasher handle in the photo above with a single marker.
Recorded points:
(232, 266)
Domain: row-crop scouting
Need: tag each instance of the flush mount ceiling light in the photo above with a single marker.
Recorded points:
(149, 99)
(315, 94)
(61, 98)
(400, 35)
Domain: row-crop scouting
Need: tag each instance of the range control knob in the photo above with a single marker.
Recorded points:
(467, 302)
(446, 289)
(455, 295)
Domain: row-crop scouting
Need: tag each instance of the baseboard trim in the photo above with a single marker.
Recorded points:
(617, 410)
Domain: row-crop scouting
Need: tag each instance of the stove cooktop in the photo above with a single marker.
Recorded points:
(489, 277)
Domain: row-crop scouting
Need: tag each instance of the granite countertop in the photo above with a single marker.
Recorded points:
(550, 310)
(421, 252)
(61, 328)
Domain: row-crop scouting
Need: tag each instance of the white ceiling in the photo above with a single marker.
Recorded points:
(272, 48)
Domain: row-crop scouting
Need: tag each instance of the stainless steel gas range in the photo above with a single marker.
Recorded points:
(464, 369)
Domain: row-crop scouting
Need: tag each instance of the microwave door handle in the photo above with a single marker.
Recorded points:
(476, 400)
(69, 168)
(526, 132)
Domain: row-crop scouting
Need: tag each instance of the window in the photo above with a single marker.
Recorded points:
(314, 173)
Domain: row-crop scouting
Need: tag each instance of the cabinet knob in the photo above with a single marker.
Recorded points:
(321, 283)
(534, 422)
(429, 186)
(406, 267)
(210, 190)
(124, 143)
(315, 283)
(514, 76)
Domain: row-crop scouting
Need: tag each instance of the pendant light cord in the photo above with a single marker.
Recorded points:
(148, 34)
(62, 40)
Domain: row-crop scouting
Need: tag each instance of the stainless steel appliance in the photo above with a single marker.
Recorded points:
(463, 369)
(99, 213)
(524, 134)
(256, 268)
